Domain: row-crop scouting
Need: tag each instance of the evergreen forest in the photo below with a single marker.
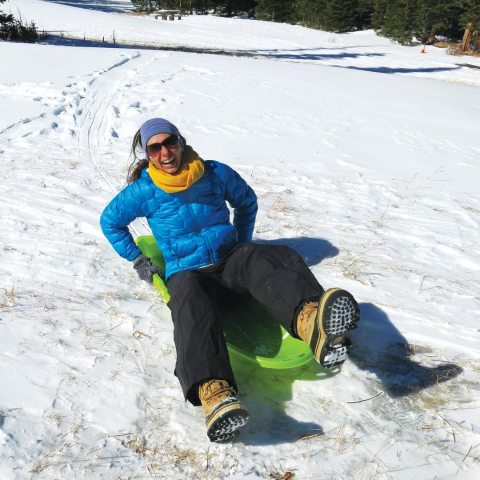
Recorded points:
(405, 21)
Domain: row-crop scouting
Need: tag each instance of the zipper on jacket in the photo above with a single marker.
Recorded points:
(210, 249)
(198, 229)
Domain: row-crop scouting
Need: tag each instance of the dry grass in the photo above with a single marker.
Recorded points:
(161, 458)
(10, 298)
(276, 475)
(354, 267)
(456, 49)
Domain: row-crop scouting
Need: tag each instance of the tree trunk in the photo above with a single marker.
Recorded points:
(466, 38)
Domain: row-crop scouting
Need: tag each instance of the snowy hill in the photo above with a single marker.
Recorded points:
(369, 171)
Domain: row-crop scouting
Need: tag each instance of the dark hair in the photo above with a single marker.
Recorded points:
(138, 164)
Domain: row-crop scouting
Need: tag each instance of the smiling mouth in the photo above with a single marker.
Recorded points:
(168, 162)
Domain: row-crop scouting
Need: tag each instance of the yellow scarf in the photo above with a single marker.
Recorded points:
(191, 170)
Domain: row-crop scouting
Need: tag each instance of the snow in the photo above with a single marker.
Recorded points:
(372, 177)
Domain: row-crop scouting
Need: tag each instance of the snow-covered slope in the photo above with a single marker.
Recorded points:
(360, 50)
(373, 178)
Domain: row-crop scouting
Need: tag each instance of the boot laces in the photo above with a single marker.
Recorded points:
(213, 392)
(305, 318)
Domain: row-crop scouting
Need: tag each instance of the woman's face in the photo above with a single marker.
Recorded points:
(165, 156)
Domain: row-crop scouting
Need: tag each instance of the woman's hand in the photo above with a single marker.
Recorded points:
(145, 268)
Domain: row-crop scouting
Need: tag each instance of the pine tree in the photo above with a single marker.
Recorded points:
(396, 19)
(380, 8)
(3, 16)
(428, 20)
(144, 5)
(306, 12)
(341, 15)
(15, 30)
(470, 20)
(311, 13)
(404, 19)
(275, 10)
(234, 7)
(471, 14)
(335, 15)
(437, 17)
(364, 14)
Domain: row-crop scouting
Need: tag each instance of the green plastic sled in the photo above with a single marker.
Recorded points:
(251, 331)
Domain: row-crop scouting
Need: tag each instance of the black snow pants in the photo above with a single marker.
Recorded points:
(275, 275)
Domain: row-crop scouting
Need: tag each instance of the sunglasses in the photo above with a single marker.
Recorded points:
(154, 149)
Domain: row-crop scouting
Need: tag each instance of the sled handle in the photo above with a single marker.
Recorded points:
(159, 284)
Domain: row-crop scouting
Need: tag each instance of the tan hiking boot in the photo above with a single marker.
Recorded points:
(224, 414)
(324, 326)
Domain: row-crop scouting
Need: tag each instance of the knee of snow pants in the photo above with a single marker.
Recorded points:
(276, 275)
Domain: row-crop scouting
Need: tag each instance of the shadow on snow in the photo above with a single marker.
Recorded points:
(312, 250)
(267, 54)
(60, 40)
(390, 70)
(380, 348)
(110, 6)
(264, 392)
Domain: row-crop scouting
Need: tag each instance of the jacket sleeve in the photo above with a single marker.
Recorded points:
(243, 200)
(128, 205)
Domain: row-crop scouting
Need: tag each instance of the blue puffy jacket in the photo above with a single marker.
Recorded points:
(192, 228)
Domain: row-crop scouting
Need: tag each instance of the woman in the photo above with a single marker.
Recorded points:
(184, 200)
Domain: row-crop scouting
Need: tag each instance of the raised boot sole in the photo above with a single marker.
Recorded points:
(225, 421)
(338, 314)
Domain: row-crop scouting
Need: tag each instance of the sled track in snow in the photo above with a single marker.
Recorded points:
(93, 112)
(95, 108)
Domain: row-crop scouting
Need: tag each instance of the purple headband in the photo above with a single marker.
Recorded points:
(155, 126)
